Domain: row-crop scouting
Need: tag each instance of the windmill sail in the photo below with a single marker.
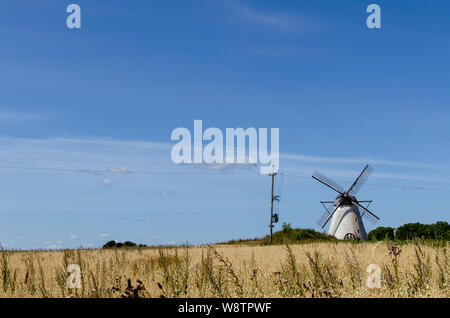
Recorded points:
(359, 182)
(329, 207)
(328, 182)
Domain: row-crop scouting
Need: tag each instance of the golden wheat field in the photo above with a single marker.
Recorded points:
(307, 270)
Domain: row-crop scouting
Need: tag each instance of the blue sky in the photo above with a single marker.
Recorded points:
(97, 106)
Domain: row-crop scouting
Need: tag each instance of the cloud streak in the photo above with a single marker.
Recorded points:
(269, 19)
(340, 160)
(112, 156)
(107, 181)
(276, 20)
(14, 117)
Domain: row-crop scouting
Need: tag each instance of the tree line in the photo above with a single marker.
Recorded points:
(114, 244)
(437, 231)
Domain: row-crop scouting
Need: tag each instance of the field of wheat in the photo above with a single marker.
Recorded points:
(306, 270)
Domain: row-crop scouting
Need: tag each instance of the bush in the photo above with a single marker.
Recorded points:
(129, 244)
(438, 231)
(286, 228)
(290, 235)
(110, 244)
(114, 244)
(381, 233)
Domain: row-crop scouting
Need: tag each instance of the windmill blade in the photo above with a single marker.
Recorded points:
(366, 215)
(369, 202)
(329, 216)
(366, 210)
(359, 182)
(322, 218)
(329, 183)
(328, 211)
(326, 202)
(370, 218)
(328, 205)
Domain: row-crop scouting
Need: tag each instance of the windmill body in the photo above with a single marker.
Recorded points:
(346, 223)
(344, 212)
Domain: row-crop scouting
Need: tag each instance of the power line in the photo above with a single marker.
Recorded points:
(210, 173)
(79, 161)
(97, 171)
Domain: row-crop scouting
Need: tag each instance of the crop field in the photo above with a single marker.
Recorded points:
(306, 270)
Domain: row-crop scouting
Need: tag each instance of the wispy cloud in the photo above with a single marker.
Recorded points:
(284, 51)
(146, 219)
(343, 174)
(15, 117)
(332, 160)
(127, 158)
(118, 170)
(53, 247)
(277, 20)
(7, 244)
(398, 174)
(107, 181)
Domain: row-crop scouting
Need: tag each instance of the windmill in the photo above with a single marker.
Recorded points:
(344, 212)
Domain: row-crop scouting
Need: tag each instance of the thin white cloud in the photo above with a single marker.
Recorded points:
(331, 160)
(281, 21)
(284, 51)
(14, 117)
(278, 20)
(64, 147)
(107, 181)
(99, 155)
(90, 156)
(146, 219)
(93, 142)
(8, 244)
(53, 247)
(104, 235)
(118, 170)
(73, 237)
(346, 175)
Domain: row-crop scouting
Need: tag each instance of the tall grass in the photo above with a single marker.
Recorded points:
(416, 269)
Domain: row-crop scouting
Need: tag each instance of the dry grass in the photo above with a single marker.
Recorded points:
(309, 270)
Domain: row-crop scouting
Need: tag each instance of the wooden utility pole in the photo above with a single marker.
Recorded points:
(271, 205)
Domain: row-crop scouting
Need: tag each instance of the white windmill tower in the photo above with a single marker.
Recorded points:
(346, 219)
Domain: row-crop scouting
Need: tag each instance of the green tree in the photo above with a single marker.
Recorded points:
(114, 244)
(286, 228)
(409, 231)
(381, 233)
(110, 244)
